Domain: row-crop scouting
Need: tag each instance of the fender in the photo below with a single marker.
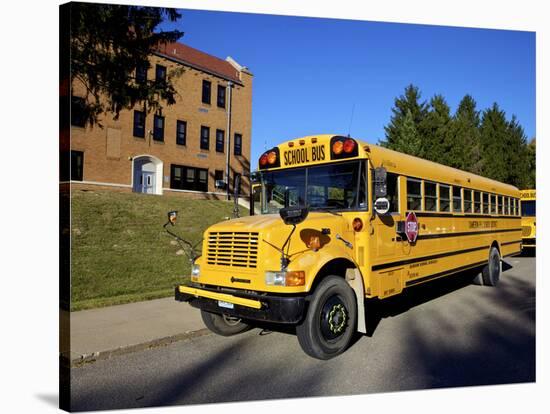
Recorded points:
(314, 262)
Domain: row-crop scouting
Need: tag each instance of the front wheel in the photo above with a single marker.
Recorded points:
(490, 274)
(223, 325)
(330, 321)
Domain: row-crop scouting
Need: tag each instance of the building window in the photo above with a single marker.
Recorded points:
(468, 201)
(218, 176)
(78, 111)
(141, 73)
(77, 165)
(205, 137)
(188, 178)
(139, 124)
(160, 73)
(158, 128)
(238, 145)
(457, 199)
(219, 140)
(477, 202)
(430, 196)
(414, 194)
(221, 96)
(181, 132)
(206, 91)
(444, 198)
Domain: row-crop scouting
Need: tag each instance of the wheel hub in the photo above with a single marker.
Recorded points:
(334, 318)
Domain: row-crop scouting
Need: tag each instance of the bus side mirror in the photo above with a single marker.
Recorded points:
(255, 177)
(172, 217)
(380, 182)
(293, 215)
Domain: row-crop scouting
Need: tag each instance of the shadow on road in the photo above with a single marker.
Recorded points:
(498, 349)
(376, 310)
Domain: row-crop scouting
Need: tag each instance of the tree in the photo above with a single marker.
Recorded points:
(465, 136)
(107, 44)
(409, 141)
(408, 102)
(436, 141)
(532, 163)
(517, 157)
(493, 131)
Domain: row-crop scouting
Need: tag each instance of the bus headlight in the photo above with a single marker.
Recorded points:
(195, 272)
(286, 278)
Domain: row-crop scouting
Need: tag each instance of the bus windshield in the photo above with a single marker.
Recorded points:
(339, 186)
(528, 208)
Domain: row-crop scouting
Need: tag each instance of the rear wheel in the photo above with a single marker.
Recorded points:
(223, 325)
(330, 321)
(490, 273)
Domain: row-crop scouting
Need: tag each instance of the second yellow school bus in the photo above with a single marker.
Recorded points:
(529, 218)
(336, 221)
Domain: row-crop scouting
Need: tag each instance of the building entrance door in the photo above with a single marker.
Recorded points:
(147, 182)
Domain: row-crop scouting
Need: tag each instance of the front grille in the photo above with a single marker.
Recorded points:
(238, 249)
(526, 231)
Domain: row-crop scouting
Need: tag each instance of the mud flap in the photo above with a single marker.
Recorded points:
(355, 280)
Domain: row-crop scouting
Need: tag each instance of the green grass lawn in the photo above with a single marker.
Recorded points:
(120, 252)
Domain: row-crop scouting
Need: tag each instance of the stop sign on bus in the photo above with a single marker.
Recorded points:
(411, 227)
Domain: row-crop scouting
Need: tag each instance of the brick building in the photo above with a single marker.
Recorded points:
(182, 148)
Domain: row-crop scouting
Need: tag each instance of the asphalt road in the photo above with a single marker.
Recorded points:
(445, 334)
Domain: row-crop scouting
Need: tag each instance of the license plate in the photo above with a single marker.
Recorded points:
(227, 305)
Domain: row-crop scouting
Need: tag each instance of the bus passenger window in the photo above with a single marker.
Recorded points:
(444, 198)
(485, 203)
(501, 205)
(414, 195)
(467, 201)
(506, 205)
(430, 196)
(477, 202)
(392, 192)
(493, 204)
(457, 199)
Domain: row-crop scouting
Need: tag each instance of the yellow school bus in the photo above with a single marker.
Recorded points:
(528, 218)
(337, 221)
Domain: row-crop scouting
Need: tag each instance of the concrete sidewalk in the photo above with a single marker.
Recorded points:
(104, 332)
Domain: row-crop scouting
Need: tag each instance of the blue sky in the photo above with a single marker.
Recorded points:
(311, 73)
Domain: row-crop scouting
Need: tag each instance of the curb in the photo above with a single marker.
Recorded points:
(84, 359)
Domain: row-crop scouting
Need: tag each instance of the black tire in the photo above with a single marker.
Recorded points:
(223, 325)
(329, 324)
(490, 274)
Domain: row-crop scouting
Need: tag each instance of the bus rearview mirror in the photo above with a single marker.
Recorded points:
(380, 182)
(293, 215)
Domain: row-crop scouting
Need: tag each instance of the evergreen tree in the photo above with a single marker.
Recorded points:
(465, 149)
(436, 132)
(493, 131)
(517, 159)
(409, 141)
(532, 163)
(409, 101)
